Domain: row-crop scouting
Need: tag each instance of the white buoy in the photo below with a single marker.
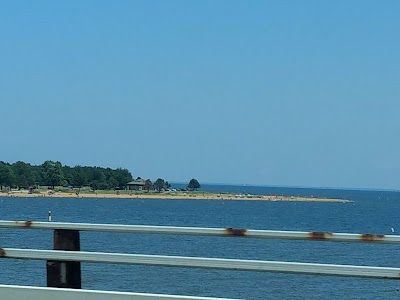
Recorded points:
(49, 218)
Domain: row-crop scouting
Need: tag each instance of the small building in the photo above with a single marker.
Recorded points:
(136, 185)
(139, 185)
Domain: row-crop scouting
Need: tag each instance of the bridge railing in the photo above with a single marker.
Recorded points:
(63, 263)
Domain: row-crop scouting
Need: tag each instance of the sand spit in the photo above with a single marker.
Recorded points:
(171, 196)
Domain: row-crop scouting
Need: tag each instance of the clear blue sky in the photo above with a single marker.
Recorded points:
(294, 93)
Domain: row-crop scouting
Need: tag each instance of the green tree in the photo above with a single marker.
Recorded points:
(147, 185)
(193, 184)
(159, 184)
(37, 174)
(68, 174)
(112, 183)
(80, 177)
(167, 185)
(123, 176)
(52, 173)
(97, 178)
(95, 185)
(23, 174)
(6, 175)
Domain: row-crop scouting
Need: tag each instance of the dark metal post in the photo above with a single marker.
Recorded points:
(65, 274)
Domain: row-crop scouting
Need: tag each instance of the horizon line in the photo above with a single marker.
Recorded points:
(298, 187)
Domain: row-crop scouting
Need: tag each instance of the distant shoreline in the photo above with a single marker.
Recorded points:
(172, 196)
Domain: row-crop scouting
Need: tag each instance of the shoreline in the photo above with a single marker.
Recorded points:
(172, 196)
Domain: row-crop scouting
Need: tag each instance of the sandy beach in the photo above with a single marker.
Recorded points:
(171, 196)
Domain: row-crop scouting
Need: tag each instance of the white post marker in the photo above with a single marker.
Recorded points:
(49, 217)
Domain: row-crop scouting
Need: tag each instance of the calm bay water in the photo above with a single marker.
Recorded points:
(370, 212)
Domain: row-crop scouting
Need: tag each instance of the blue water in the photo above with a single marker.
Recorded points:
(370, 212)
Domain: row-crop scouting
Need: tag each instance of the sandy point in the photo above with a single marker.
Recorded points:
(171, 196)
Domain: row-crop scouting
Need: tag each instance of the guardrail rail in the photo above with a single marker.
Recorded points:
(64, 270)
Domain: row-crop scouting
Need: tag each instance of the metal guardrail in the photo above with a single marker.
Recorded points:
(13, 292)
(64, 265)
(232, 232)
(205, 263)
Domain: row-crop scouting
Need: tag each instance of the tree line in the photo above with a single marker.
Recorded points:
(53, 173)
